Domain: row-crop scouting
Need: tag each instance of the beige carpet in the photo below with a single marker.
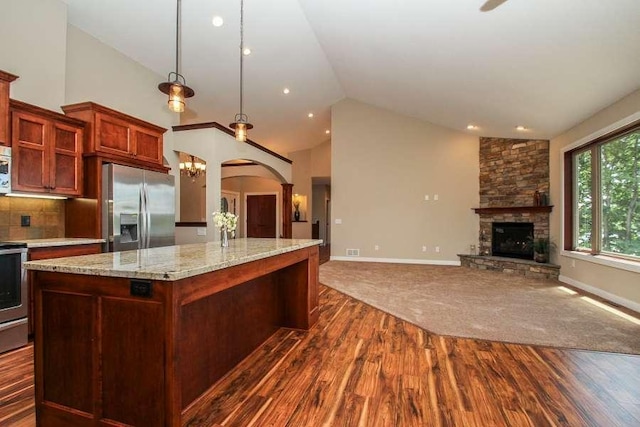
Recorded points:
(463, 302)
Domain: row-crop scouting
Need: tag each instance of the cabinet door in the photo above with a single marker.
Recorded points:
(66, 160)
(147, 145)
(35, 254)
(112, 135)
(30, 159)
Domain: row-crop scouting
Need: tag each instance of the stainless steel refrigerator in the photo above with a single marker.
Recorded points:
(138, 208)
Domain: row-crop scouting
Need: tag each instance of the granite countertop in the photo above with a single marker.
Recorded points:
(59, 241)
(172, 262)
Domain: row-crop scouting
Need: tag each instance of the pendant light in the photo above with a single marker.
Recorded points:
(176, 88)
(241, 124)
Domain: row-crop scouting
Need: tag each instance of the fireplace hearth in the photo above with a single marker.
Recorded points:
(512, 239)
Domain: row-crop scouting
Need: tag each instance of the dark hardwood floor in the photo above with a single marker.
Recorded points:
(362, 367)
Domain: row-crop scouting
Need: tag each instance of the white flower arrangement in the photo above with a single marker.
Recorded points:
(226, 220)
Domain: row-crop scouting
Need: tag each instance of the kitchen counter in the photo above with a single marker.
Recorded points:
(59, 241)
(172, 262)
(160, 325)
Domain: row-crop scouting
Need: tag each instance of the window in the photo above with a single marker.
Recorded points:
(603, 195)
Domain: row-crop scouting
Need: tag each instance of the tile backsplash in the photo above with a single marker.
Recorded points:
(47, 218)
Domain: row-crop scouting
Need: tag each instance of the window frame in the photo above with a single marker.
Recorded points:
(570, 201)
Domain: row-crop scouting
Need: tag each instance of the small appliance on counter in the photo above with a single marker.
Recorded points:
(138, 208)
(5, 170)
(14, 327)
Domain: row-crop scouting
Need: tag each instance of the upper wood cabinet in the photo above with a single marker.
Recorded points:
(117, 135)
(5, 119)
(46, 151)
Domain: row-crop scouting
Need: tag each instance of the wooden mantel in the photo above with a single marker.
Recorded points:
(513, 209)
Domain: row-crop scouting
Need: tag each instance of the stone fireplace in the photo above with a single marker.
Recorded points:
(514, 185)
(511, 171)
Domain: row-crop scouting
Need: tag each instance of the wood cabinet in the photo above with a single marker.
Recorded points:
(49, 252)
(116, 135)
(110, 137)
(5, 119)
(46, 151)
(122, 351)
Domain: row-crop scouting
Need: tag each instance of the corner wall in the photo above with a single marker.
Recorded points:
(617, 281)
(383, 165)
(33, 46)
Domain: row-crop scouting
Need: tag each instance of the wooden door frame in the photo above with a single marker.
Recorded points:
(264, 193)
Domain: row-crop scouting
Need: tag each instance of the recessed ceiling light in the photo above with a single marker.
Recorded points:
(217, 21)
(327, 131)
(521, 128)
(286, 91)
(472, 127)
(310, 115)
(246, 51)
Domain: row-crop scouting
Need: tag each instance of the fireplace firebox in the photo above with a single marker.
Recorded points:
(512, 239)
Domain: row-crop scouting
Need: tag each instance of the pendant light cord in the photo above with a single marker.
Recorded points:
(241, 50)
(177, 35)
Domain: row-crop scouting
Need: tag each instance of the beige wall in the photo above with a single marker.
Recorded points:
(192, 198)
(301, 173)
(383, 164)
(32, 46)
(313, 162)
(609, 281)
(97, 72)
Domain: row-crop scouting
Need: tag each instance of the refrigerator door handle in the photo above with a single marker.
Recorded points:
(143, 218)
(147, 213)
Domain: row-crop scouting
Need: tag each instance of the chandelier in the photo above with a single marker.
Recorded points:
(193, 169)
(241, 122)
(177, 88)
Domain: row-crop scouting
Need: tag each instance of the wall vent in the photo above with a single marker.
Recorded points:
(353, 252)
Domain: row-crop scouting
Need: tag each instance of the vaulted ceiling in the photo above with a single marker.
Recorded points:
(543, 64)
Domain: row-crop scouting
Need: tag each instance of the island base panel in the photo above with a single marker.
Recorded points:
(218, 331)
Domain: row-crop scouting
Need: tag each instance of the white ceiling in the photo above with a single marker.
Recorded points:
(544, 64)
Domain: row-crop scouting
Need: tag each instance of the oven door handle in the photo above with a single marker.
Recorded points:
(12, 251)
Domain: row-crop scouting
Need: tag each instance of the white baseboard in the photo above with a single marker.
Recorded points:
(632, 305)
(395, 260)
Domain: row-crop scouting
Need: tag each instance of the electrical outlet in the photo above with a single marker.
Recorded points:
(437, 248)
(202, 231)
(376, 247)
(338, 221)
(426, 197)
(424, 249)
(435, 197)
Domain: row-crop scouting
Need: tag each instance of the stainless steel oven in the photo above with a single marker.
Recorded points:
(14, 328)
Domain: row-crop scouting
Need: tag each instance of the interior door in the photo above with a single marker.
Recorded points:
(261, 216)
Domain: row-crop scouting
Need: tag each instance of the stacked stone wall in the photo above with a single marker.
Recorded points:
(511, 171)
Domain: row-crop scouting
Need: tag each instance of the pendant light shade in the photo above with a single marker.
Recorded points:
(176, 85)
(241, 126)
(241, 122)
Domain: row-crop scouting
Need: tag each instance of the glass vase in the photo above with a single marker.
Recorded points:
(224, 237)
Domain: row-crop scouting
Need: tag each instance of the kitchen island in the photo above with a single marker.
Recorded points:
(136, 337)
